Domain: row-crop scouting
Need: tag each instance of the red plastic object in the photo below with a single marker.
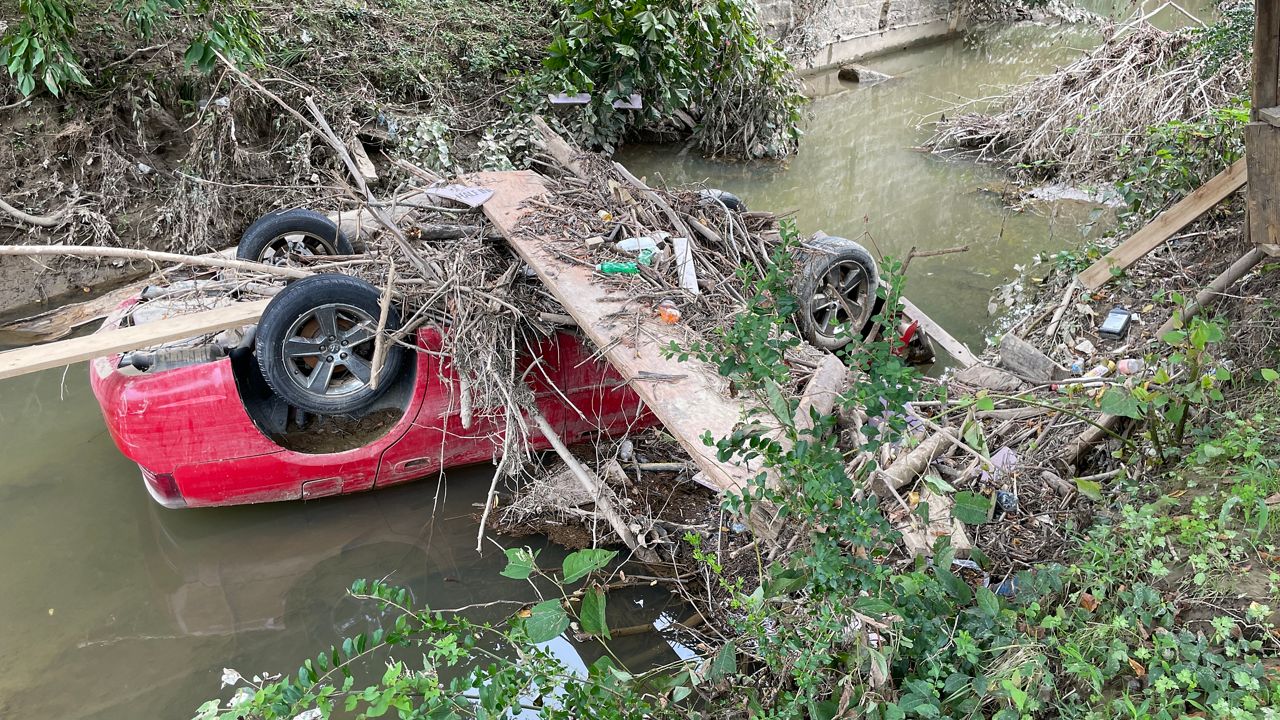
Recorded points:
(197, 446)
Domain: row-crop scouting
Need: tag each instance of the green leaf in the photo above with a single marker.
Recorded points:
(519, 563)
(1270, 375)
(680, 693)
(779, 406)
(988, 603)
(725, 662)
(984, 404)
(1175, 337)
(584, 562)
(1090, 489)
(592, 615)
(546, 621)
(1117, 401)
(972, 508)
(935, 483)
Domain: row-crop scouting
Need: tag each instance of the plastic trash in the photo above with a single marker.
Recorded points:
(1131, 366)
(668, 312)
(1006, 501)
(618, 268)
(1116, 324)
(637, 244)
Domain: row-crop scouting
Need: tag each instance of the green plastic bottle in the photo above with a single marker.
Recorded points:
(618, 268)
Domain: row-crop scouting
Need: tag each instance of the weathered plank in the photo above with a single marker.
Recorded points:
(65, 352)
(1166, 224)
(1262, 143)
(691, 400)
(938, 334)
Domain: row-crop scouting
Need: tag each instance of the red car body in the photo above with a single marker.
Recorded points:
(189, 430)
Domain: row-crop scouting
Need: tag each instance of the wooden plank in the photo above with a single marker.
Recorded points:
(65, 352)
(1270, 116)
(692, 404)
(1166, 224)
(938, 334)
(1262, 143)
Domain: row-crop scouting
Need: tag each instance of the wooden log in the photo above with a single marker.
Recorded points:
(1166, 224)
(910, 466)
(1026, 361)
(59, 322)
(821, 392)
(918, 538)
(1266, 55)
(364, 165)
(211, 261)
(1091, 436)
(985, 376)
(1060, 311)
(107, 342)
(938, 334)
(1210, 294)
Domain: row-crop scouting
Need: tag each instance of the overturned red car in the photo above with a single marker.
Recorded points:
(207, 429)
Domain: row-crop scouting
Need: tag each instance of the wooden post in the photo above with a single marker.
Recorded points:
(1262, 137)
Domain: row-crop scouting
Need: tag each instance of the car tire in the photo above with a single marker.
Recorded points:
(273, 236)
(723, 197)
(836, 290)
(315, 345)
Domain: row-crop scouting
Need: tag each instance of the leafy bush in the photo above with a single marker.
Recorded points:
(707, 60)
(38, 55)
(1180, 156)
(37, 51)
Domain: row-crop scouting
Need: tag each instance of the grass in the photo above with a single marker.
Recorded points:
(1165, 609)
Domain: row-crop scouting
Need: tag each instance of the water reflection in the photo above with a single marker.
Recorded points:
(117, 608)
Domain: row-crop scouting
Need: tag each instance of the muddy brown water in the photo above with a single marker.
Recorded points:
(112, 607)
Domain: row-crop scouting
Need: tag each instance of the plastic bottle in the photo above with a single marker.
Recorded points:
(1131, 366)
(668, 312)
(636, 244)
(618, 268)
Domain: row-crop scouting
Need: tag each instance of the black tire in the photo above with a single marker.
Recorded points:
(837, 292)
(321, 330)
(273, 236)
(723, 197)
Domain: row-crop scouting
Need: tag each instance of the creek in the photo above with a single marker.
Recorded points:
(116, 608)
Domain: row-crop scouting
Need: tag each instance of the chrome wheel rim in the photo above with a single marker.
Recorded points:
(844, 298)
(304, 244)
(328, 351)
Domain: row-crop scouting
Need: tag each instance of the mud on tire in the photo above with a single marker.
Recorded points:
(315, 345)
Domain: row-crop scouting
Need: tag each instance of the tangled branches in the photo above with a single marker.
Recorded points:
(1071, 124)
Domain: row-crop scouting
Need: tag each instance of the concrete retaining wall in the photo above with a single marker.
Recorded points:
(846, 30)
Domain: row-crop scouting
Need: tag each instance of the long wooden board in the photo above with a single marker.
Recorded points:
(939, 335)
(691, 399)
(1166, 224)
(65, 352)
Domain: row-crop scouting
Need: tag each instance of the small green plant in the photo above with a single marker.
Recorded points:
(1185, 381)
